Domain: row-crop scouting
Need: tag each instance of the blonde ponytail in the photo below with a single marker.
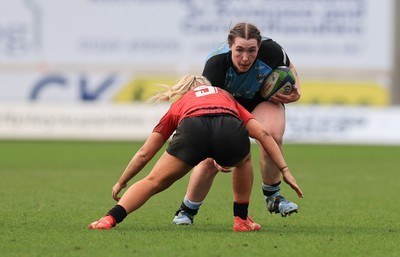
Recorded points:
(186, 83)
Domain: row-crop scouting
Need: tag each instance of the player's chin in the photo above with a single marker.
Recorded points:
(243, 69)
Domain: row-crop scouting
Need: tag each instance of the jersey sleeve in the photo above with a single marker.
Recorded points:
(215, 69)
(167, 125)
(273, 54)
(244, 114)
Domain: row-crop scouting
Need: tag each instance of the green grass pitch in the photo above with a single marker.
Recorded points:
(50, 191)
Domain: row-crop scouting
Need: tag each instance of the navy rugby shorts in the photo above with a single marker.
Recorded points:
(251, 104)
(221, 137)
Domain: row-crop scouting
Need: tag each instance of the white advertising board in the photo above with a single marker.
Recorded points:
(86, 50)
(178, 34)
(305, 124)
(56, 87)
(78, 121)
(342, 124)
(56, 52)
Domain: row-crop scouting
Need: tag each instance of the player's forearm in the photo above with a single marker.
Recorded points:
(137, 163)
(269, 145)
(142, 157)
(271, 148)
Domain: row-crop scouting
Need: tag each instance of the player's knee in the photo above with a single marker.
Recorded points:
(157, 184)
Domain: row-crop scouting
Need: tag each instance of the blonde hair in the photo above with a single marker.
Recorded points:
(185, 84)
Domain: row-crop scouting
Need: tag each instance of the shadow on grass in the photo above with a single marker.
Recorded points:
(320, 230)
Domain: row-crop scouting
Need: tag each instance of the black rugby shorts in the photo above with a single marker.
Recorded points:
(221, 137)
(251, 104)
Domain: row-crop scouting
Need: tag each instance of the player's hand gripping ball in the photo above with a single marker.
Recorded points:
(280, 80)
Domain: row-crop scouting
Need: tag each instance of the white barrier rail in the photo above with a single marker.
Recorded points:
(79, 121)
(305, 124)
(343, 124)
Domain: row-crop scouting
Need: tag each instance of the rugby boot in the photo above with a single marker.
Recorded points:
(248, 224)
(183, 218)
(278, 204)
(106, 222)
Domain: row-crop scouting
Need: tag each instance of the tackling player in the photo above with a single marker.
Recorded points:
(209, 123)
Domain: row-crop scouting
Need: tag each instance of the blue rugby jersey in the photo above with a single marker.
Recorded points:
(220, 71)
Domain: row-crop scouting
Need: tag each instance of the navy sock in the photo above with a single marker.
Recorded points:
(187, 209)
(269, 190)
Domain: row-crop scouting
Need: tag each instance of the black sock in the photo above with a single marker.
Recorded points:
(118, 213)
(241, 210)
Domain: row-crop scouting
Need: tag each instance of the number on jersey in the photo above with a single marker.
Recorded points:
(205, 90)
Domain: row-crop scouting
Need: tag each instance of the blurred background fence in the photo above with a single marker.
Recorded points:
(82, 69)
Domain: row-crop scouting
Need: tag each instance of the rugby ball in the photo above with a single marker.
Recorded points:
(279, 80)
